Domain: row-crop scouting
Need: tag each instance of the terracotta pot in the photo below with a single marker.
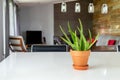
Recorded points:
(80, 59)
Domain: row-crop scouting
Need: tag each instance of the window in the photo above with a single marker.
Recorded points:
(12, 19)
(4, 27)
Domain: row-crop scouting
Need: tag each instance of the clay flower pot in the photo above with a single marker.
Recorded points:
(80, 59)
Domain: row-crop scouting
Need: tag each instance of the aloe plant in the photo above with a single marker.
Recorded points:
(78, 43)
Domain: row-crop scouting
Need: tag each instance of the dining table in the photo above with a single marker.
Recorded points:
(59, 66)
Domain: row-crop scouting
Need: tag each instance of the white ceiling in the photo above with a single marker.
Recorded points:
(41, 1)
(35, 2)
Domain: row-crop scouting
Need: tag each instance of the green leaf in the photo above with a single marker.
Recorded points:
(90, 36)
(93, 41)
(76, 41)
(69, 43)
(65, 34)
(83, 39)
(81, 26)
(87, 45)
(72, 34)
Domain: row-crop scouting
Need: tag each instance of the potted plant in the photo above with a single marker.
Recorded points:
(80, 46)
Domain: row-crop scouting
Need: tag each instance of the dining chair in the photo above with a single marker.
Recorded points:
(17, 44)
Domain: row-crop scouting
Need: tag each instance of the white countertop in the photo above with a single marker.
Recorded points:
(58, 66)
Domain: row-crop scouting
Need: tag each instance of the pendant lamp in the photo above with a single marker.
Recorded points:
(104, 9)
(77, 7)
(63, 7)
(91, 8)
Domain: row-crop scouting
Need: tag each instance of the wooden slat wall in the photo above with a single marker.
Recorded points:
(107, 23)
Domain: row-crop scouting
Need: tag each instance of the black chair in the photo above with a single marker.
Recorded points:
(118, 48)
(48, 48)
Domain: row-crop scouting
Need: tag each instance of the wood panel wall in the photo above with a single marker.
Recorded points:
(107, 23)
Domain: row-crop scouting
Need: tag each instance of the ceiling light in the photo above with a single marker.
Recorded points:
(77, 7)
(63, 7)
(91, 8)
(104, 9)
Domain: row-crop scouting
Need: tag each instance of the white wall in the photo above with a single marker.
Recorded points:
(38, 17)
(1, 29)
